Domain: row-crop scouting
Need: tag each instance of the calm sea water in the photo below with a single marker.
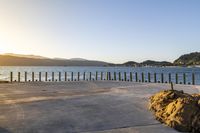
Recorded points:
(5, 72)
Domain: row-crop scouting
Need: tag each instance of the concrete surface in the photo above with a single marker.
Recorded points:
(72, 107)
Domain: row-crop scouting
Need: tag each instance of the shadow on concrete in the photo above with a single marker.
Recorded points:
(2, 130)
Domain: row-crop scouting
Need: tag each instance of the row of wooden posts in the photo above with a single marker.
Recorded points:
(108, 77)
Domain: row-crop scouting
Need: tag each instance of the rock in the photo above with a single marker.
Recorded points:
(177, 109)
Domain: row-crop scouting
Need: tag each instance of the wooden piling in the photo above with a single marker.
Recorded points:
(25, 76)
(136, 77)
(101, 75)
(72, 76)
(176, 78)
(78, 76)
(96, 75)
(90, 76)
(46, 76)
(59, 76)
(155, 78)
(193, 79)
(115, 77)
(131, 76)
(40, 76)
(170, 78)
(11, 76)
(149, 77)
(162, 78)
(119, 76)
(33, 76)
(84, 76)
(125, 78)
(18, 76)
(142, 77)
(65, 76)
(184, 78)
(52, 76)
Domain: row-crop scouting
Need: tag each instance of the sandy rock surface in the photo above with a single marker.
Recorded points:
(177, 109)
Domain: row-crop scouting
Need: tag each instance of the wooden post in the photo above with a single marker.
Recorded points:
(52, 76)
(115, 77)
(96, 75)
(90, 76)
(155, 78)
(101, 75)
(109, 75)
(162, 78)
(25, 77)
(65, 76)
(131, 76)
(40, 76)
(142, 77)
(170, 78)
(33, 77)
(11, 76)
(119, 76)
(193, 79)
(149, 77)
(46, 76)
(18, 76)
(59, 76)
(84, 76)
(184, 78)
(78, 76)
(136, 77)
(125, 78)
(72, 76)
(176, 78)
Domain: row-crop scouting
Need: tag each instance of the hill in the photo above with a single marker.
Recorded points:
(8, 60)
(188, 59)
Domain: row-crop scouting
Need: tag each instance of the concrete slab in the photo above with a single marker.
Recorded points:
(80, 107)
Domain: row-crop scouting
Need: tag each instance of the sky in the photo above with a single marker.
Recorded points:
(108, 30)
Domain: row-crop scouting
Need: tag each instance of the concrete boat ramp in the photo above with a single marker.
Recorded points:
(85, 107)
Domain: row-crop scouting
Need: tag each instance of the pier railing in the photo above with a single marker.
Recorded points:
(177, 78)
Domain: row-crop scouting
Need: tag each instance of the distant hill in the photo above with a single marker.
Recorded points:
(188, 59)
(131, 63)
(156, 63)
(8, 60)
(26, 56)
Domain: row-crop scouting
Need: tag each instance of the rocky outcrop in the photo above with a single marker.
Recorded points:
(177, 109)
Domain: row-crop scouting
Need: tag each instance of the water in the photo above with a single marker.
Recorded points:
(5, 72)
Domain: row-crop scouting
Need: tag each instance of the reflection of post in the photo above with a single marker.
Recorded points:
(11, 76)
(18, 76)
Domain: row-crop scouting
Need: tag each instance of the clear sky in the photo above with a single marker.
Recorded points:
(108, 30)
